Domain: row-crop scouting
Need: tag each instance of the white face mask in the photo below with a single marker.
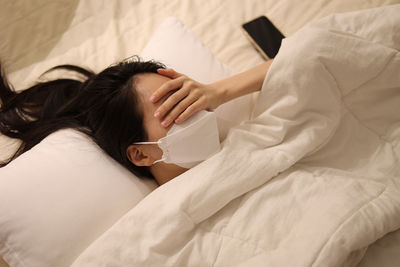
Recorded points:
(189, 143)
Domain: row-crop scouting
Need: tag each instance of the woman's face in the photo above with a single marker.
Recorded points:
(145, 155)
(146, 84)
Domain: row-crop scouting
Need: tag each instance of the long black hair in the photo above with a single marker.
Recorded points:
(104, 106)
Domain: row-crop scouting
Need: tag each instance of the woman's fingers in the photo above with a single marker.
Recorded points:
(171, 101)
(183, 97)
(175, 83)
(167, 87)
(181, 107)
(171, 73)
(196, 106)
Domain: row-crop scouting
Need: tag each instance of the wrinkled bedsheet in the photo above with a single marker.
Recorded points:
(311, 180)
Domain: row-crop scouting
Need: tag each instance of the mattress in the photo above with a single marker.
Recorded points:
(40, 34)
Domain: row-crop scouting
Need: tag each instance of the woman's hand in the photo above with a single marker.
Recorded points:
(186, 97)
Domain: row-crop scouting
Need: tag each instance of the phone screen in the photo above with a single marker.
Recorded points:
(264, 35)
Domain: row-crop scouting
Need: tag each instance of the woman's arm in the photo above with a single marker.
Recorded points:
(243, 83)
(191, 96)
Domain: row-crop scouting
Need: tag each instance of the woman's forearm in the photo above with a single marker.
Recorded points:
(242, 83)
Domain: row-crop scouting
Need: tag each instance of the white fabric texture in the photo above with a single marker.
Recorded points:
(311, 180)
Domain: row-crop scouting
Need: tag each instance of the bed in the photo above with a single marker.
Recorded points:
(94, 34)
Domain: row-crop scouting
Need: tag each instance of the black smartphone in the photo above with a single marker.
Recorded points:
(264, 36)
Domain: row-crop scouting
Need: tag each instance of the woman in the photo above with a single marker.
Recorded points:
(125, 104)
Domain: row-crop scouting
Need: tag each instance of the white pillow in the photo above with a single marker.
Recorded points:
(61, 195)
(178, 47)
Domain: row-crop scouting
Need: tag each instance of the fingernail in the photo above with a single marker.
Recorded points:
(153, 98)
(178, 120)
(157, 114)
(165, 123)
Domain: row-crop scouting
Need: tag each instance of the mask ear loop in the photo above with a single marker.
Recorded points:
(150, 143)
(159, 160)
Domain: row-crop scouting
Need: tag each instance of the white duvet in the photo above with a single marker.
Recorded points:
(312, 180)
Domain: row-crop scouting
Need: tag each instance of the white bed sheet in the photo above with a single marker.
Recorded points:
(42, 33)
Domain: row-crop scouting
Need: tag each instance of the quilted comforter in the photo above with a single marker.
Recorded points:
(311, 180)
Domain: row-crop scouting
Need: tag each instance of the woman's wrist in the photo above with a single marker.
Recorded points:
(241, 84)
